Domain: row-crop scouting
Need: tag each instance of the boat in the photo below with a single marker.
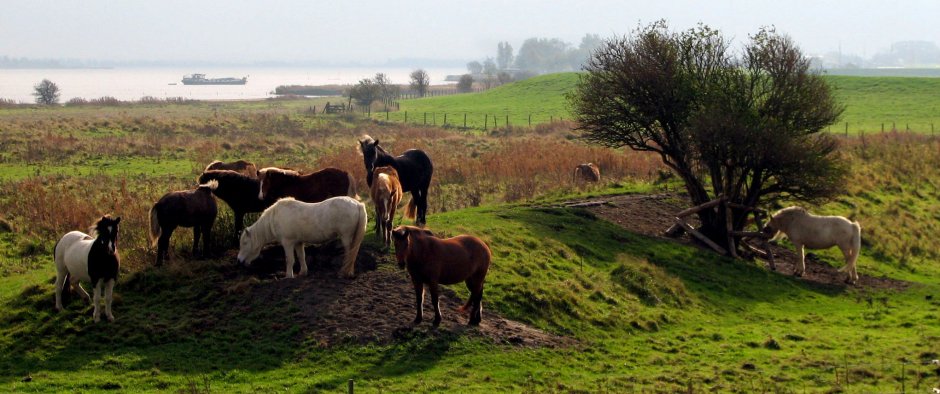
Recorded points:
(200, 79)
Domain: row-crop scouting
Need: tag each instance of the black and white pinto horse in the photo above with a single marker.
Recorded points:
(92, 258)
(414, 172)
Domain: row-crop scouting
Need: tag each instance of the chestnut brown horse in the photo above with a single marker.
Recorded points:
(386, 194)
(316, 186)
(432, 262)
(587, 172)
(243, 167)
(186, 208)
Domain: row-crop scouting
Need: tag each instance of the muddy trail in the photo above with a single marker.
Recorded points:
(652, 214)
(377, 306)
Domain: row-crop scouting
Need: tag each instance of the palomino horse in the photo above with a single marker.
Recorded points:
(414, 172)
(245, 168)
(186, 208)
(587, 172)
(386, 194)
(92, 258)
(292, 223)
(317, 186)
(817, 232)
(240, 192)
(433, 262)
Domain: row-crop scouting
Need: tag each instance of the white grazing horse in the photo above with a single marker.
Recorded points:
(292, 223)
(817, 232)
(82, 257)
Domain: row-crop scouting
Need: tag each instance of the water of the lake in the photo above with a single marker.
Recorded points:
(134, 83)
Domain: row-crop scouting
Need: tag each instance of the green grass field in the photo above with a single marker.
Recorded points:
(647, 314)
(902, 103)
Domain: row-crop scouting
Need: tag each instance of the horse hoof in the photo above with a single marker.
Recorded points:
(111, 318)
(416, 321)
(474, 323)
(798, 274)
(436, 323)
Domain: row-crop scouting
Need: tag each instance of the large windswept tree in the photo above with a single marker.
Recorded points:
(748, 127)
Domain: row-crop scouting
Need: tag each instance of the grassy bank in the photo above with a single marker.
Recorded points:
(645, 314)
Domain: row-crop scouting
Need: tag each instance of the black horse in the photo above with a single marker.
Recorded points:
(239, 191)
(186, 208)
(414, 172)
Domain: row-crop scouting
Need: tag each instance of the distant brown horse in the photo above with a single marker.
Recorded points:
(386, 194)
(187, 208)
(313, 187)
(587, 172)
(245, 168)
(433, 262)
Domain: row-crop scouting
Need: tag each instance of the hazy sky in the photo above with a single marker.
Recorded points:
(373, 31)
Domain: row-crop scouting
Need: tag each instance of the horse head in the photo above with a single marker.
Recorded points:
(107, 230)
(403, 236)
(248, 247)
(369, 149)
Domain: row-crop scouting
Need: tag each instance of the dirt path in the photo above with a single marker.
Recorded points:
(652, 214)
(377, 306)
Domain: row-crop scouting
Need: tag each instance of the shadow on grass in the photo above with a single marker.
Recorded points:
(188, 316)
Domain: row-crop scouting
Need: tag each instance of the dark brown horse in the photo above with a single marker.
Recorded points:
(243, 167)
(186, 208)
(587, 172)
(433, 262)
(414, 172)
(240, 192)
(386, 194)
(317, 186)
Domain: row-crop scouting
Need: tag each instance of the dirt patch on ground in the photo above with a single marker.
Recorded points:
(377, 306)
(652, 214)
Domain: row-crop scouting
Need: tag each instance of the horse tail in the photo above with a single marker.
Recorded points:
(411, 209)
(155, 229)
(351, 192)
(350, 259)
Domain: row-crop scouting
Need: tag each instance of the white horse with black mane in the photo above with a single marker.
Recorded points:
(293, 223)
(91, 258)
(809, 231)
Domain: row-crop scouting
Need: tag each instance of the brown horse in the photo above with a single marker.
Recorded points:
(587, 172)
(187, 208)
(433, 262)
(317, 186)
(245, 168)
(386, 194)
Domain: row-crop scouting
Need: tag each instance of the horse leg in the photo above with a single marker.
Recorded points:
(435, 294)
(239, 222)
(81, 290)
(197, 231)
(206, 235)
(289, 260)
(388, 231)
(61, 276)
(422, 206)
(163, 245)
(847, 253)
(476, 314)
(419, 301)
(802, 268)
(302, 256)
(108, 296)
(97, 299)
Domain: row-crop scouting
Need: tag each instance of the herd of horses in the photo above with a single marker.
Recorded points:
(322, 206)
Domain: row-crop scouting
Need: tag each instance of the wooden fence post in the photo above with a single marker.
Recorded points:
(465, 120)
(530, 120)
(445, 120)
(406, 116)
(425, 118)
(507, 120)
(486, 121)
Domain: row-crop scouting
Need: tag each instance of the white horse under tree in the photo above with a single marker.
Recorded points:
(91, 258)
(293, 223)
(808, 231)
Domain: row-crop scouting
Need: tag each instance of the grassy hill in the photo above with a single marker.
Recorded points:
(644, 313)
(870, 101)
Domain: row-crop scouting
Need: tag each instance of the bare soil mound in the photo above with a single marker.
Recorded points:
(377, 306)
(652, 214)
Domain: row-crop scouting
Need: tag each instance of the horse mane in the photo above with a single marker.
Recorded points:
(278, 170)
(100, 225)
(225, 175)
(367, 138)
(211, 185)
